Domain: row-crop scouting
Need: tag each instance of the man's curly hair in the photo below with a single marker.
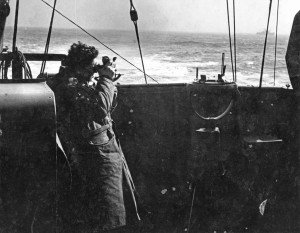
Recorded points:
(81, 55)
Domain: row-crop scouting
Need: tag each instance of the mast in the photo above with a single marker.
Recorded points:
(16, 61)
(4, 12)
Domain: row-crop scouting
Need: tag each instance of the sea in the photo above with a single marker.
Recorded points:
(169, 57)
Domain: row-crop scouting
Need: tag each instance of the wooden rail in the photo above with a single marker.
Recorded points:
(36, 56)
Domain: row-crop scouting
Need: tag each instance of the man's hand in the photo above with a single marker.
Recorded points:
(106, 71)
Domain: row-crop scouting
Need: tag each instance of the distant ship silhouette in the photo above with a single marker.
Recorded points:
(264, 33)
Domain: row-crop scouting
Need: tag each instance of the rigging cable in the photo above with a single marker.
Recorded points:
(276, 41)
(234, 40)
(48, 39)
(85, 31)
(230, 40)
(134, 18)
(265, 45)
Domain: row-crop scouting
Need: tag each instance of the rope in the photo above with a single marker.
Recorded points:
(234, 40)
(134, 18)
(130, 184)
(59, 145)
(191, 210)
(43, 66)
(265, 45)
(230, 41)
(98, 41)
(276, 41)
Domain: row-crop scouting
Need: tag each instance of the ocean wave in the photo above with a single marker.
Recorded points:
(167, 57)
(187, 42)
(204, 64)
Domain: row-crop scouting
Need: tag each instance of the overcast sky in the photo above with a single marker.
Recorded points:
(161, 15)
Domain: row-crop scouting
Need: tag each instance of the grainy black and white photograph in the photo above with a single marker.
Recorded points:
(142, 116)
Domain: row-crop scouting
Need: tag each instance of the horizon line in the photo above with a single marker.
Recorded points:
(129, 30)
